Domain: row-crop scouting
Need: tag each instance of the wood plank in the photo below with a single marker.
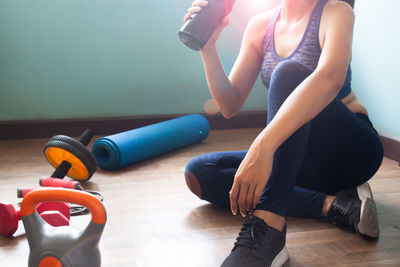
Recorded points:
(154, 220)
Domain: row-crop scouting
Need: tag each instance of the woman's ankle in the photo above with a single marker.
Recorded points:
(327, 205)
(272, 219)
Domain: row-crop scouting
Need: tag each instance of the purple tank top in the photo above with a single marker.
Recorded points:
(307, 52)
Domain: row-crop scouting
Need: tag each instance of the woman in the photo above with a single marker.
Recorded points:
(319, 148)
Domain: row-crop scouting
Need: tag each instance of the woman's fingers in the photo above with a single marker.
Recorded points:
(200, 3)
(195, 8)
(257, 195)
(191, 11)
(187, 16)
(233, 196)
(242, 199)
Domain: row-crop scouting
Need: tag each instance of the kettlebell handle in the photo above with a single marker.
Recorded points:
(65, 195)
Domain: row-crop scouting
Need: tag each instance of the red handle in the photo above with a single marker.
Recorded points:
(21, 192)
(54, 182)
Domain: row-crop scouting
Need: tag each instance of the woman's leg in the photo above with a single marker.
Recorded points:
(336, 150)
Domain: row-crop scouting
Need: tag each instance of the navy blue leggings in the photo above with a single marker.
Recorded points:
(334, 151)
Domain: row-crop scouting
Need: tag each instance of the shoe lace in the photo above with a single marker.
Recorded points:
(340, 217)
(251, 234)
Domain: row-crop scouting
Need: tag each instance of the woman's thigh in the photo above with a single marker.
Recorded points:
(343, 150)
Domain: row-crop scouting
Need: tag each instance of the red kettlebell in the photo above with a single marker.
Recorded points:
(55, 213)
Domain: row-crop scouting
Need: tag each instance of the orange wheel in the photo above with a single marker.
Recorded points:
(63, 148)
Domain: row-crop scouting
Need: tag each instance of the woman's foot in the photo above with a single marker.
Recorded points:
(354, 210)
(258, 245)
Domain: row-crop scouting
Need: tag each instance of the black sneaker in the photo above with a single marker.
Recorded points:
(258, 245)
(354, 210)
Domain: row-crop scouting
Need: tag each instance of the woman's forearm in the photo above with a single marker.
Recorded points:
(306, 102)
(219, 84)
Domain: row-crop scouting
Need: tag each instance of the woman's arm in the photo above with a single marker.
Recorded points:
(231, 92)
(323, 85)
(305, 102)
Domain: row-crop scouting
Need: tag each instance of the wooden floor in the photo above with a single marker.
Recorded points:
(153, 219)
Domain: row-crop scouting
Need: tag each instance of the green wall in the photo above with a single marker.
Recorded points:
(104, 58)
(376, 79)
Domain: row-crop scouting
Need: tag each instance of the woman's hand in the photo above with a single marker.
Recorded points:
(251, 178)
(196, 7)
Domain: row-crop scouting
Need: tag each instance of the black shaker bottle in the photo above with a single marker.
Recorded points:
(198, 29)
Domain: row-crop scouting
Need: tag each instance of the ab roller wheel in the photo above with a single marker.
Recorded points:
(63, 246)
(71, 158)
(61, 149)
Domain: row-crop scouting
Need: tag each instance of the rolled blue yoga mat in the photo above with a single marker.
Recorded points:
(126, 148)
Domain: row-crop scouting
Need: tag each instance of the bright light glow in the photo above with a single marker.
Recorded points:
(257, 4)
(244, 10)
(210, 107)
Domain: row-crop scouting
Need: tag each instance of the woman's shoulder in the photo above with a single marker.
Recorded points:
(336, 14)
(255, 29)
(261, 21)
(338, 8)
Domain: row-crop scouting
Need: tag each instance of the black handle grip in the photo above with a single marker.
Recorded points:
(62, 170)
(85, 138)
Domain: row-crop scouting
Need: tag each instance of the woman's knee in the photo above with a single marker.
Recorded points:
(192, 181)
(286, 76)
(290, 67)
(210, 176)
